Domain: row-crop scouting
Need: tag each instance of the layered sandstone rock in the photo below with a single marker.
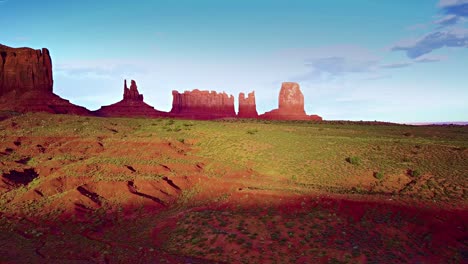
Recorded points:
(291, 105)
(131, 105)
(25, 69)
(26, 83)
(247, 106)
(202, 105)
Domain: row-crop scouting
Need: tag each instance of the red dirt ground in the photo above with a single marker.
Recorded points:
(160, 205)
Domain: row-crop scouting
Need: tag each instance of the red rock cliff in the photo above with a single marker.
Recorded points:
(291, 99)
(26, 83)
(131, 105)
(247, 106)
(202, 104)
(25, 69)
(291, 105)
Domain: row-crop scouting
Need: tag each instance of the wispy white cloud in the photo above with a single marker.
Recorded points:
(429, 58)
(422, 59)
(451, 31)
(447, 20)
(99, 69)
(337, 65)
(450, 37)
(396, 65)
(454, 10)
(326, 64)
(329, 63)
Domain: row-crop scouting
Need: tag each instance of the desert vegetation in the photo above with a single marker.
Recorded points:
(164, 190)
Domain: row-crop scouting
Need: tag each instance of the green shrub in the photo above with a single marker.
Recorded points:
(169, 122)
(354, 160)
(275, 235)
(379, 175)
(252, 131)
(415, 173)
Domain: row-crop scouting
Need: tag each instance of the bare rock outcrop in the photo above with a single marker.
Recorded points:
(290, 105)
(247, 106)
(25, 69)
(198, 104)
(131, 105)
(291, 99)
(132, 93)
(26, 83)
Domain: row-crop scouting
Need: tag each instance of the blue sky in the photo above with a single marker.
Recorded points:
(400, 61)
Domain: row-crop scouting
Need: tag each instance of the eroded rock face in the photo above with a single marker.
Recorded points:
(291, 99)
(131, 105)
(202, 104)
(25, 69)
(132, 93)
(247, 106)
(26, 83)
(291, 105)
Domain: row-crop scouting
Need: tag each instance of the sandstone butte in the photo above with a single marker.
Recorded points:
(198, 104)
(26, 83)
(290, 105)
(247, 106)
(131, 105)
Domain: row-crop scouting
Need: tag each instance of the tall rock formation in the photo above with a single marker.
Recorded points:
(26, 83)
(247, 106)
(131, 105)
(291, 99)
(202, 105)
(290, 105)
(132, 93)
(25, 69)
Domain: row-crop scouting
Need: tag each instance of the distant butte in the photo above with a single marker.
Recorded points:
(247, 106)
(198, 104)
(290, 105)
(131, 105)
(25, 70)
(26, 83)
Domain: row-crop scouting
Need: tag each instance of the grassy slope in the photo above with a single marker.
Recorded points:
(315, 154)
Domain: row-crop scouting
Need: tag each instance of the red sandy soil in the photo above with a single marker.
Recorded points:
(185, 216)
(324, 227)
